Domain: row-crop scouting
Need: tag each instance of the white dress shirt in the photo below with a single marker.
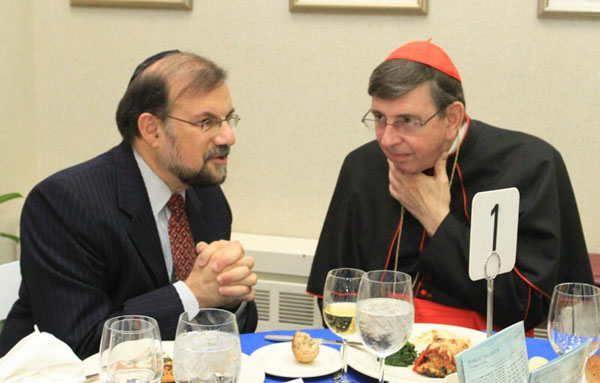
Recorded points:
(159, 194)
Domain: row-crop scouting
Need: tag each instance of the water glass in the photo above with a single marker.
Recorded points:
(385, 312)
(207, 347)
(339, 307)
(130, 350)
(574, 317)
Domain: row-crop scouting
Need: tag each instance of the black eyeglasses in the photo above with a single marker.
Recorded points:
(404, 124)
(146, 63)
(211, 125)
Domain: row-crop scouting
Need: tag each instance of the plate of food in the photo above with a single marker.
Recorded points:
(435, 346)
(304, 357)
(250, 372)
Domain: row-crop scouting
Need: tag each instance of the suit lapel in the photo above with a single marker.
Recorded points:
(133, 200)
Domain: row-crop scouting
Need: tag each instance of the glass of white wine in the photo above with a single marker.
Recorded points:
(339, 307)
(574, 317)
(385, 312)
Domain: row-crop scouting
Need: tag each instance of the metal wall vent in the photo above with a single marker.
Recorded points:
(540, 332)
(296, 308)
(263, 304)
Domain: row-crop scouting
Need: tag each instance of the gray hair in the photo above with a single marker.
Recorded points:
(150, 91)
(394, 78)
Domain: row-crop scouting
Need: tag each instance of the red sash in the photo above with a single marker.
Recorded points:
(431, 312)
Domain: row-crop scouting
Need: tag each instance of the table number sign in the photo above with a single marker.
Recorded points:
(494, 223)
(493, 242)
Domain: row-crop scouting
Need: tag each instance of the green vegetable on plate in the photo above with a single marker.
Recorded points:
(405, 357)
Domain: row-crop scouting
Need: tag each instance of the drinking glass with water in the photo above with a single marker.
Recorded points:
(574, 317)
(131, 350)
(384, 312)
(207, 347)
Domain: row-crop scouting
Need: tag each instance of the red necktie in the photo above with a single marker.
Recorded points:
(180, 235)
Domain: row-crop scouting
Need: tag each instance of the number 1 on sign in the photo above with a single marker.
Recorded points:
(492, 235)
(495, 214)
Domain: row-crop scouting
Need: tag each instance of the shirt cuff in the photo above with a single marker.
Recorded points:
(241, 315)
(190, 303)
(241, 309)
(188, 299)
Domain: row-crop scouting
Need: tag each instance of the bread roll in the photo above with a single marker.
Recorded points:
(537, 362)
(304, 347)
(592, 369)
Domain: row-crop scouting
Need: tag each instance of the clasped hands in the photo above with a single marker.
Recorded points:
(426, 197)
(222, 275)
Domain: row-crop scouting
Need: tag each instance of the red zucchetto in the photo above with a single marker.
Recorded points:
(426, 53)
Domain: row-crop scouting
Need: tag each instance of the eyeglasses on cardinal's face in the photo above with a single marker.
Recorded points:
(403, 124)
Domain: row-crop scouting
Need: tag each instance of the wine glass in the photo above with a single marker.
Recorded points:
(385, 312)
(339, 307)
(207, 347)
(130, 350)
(574, 317)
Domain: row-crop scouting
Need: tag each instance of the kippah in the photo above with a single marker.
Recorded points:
(425, 52)
(146, 63)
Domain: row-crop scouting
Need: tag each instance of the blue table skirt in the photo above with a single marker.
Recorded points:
(251, 342)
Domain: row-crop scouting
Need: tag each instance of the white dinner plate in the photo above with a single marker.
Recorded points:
(250, 372)
(278, 359)
(360, 359)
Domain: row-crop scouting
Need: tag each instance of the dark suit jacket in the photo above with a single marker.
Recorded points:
(90, 251)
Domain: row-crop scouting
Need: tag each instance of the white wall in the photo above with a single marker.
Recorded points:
(299, 83)
(18, 145)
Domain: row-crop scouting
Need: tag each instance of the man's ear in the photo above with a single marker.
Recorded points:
(455, 115)
(149, 128)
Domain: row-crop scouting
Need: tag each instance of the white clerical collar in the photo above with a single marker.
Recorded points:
(462, 132)
(158, 191)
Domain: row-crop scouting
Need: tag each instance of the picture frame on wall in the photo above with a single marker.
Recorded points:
(173, 4)
(360, 6)
(569, 8)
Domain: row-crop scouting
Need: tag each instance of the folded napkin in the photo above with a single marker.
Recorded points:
(41, 358)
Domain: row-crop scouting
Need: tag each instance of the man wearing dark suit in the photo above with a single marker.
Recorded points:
(96, 237)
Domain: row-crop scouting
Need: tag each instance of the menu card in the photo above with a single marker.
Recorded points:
(500, 358)
(567, 368)
(503, 358)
